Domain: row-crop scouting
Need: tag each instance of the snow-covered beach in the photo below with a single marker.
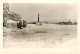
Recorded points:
(42, 36)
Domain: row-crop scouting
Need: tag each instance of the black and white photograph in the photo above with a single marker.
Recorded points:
(39, 25)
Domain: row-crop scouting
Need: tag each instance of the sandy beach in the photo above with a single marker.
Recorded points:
(43, 36)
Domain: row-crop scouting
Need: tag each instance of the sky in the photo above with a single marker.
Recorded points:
(54, 12)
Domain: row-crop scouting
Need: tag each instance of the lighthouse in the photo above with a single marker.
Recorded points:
(39, 23)
(38, 17)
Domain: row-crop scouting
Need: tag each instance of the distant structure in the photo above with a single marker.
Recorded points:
(38, 23)
(65, 23)
(38, 17)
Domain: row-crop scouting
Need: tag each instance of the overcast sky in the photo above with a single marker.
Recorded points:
(48, 11)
